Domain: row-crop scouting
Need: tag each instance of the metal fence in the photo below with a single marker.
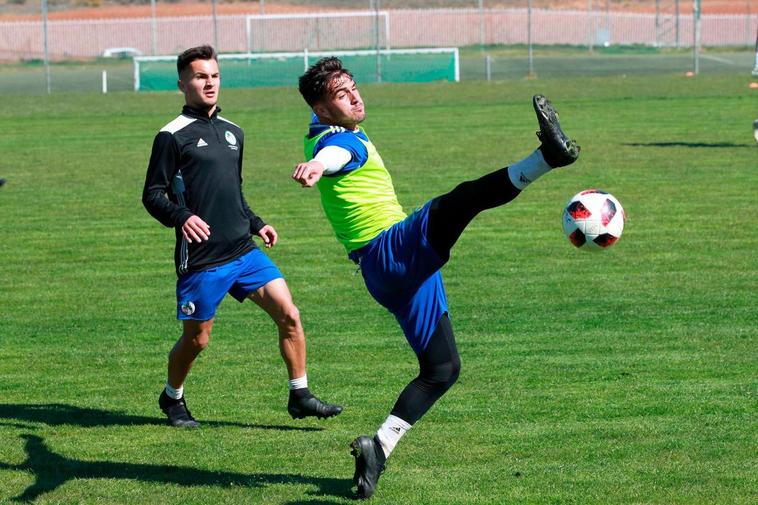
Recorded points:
(483, 27)
(407, 28)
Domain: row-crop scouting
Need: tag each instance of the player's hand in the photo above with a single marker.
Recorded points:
(308, 174)
(269, 235)
(195, 229)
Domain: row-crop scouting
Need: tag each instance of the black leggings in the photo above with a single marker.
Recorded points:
(450, 213)
(439, 366)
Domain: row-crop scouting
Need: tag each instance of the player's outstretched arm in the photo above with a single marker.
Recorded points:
(308, 174)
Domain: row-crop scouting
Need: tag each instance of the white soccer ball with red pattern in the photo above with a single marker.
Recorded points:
(593, 220)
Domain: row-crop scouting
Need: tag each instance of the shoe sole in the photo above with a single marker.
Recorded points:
(545, 110)
(185, 424)
(300, 415)
(548, 119)
(303, 416)
(180, 423)
(355, 449)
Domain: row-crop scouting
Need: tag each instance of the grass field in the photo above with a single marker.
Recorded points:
(622, 377)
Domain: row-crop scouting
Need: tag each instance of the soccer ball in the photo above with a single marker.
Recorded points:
(593, 220)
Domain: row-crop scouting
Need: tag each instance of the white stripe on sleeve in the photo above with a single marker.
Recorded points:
(334, 158)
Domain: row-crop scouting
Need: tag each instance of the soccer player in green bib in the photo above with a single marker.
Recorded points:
(400, 256)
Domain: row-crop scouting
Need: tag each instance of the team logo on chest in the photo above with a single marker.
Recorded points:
(231, 139)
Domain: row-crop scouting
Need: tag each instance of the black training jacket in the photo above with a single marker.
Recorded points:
(196, 168)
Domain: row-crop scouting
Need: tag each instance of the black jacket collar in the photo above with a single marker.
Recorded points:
(199, 113)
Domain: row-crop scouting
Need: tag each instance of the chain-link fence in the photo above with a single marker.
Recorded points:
(64, 48)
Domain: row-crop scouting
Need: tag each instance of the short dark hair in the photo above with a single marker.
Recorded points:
(205, 52)
(314, 83)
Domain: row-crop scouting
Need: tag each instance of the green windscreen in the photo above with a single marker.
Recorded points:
(155, 75)
(246, 71)
(413, 67)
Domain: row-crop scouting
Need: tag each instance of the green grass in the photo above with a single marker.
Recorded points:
(67, 77)
(622, 377)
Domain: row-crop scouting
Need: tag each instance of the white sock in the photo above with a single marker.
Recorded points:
(526, 171)
(299, 383)
(174, 393)
(391, 432)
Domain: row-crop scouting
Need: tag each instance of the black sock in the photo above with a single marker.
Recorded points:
(450, 213)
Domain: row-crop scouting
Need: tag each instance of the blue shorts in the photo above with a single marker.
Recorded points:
(198, 294)
(401, 271)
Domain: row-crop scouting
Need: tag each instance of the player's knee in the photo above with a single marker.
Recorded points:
(442, 365)
(198, 340)
(463, 192)
(202, 341)
(455, 370)
(289, 317)
(442, 376)
(450, 373)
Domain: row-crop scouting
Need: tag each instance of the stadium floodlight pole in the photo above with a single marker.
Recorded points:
(657, 23)
(608, 21)
(696, 34)
(154, 27)
(215, 25)
(591, 24)
(376, 42)
(530, 73)
(481, 24)
(676, 9)
(748, 16)
(44, 34)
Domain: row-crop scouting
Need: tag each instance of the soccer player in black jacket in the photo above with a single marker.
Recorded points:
(194, 185)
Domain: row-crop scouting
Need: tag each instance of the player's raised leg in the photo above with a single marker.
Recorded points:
(276, 300)
(450, 213)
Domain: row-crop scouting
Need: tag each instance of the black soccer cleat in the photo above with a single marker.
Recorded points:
(310, 406)
(176, 411)
(369, 464)
(556, 147)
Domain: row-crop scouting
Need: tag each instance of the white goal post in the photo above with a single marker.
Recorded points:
(291, 27)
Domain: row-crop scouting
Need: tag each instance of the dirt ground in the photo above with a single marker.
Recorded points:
(190, 8)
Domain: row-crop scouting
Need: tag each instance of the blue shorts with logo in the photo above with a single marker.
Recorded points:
(401, 271)
(198, 294)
